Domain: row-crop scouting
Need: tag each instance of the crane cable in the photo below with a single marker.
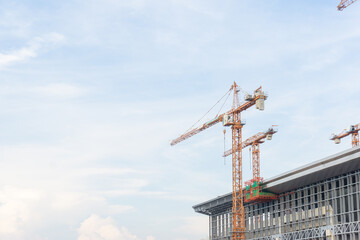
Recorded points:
(208, 111)
(224, 103)
(250, 157)
(243, 91)
(224, 131)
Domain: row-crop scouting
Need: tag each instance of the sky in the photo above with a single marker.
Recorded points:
(92, 92)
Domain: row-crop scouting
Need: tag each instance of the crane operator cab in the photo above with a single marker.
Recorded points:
(228, 120)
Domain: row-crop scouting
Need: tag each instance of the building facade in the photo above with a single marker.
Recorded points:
(318, 201)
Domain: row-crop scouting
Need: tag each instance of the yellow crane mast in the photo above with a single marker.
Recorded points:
(232, 118)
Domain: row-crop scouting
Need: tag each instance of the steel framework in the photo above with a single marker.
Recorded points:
(328, 232)
(256, 161)
(329, 210)
(238, 220)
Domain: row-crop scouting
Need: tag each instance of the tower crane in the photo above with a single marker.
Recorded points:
(253, 187)
(353, 130)
(345, 3)
(232, 118)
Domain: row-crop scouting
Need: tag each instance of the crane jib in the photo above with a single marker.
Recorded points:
(256, 138)
(195, 131)
(216, 120)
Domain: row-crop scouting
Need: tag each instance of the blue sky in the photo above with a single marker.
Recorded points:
(92, 92)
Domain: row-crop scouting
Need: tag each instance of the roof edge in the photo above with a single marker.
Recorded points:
(295, 171)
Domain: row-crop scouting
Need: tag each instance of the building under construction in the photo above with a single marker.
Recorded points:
(320, 200)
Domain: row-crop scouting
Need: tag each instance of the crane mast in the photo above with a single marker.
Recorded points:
(238, 210)
(256, 160)
(237, 184)
(353, 130)
(344, 4)
(232, 118)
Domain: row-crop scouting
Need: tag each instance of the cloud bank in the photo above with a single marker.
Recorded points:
(31, 50)
(97, 228)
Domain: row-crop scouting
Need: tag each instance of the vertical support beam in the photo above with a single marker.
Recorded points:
(210, 235)
(256, 161)
(222, 225)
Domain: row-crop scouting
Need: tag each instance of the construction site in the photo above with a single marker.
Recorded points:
(180, 120)
(317, 201)
(320, 200)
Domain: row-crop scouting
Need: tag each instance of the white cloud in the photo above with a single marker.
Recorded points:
(31, 50)
(17, 55)
(106, 171)
(199, 8)
(136, 192)
(50, 91)
(17, 209)
(195, 225)
(97, 228)
(58, 90)
(25, 211)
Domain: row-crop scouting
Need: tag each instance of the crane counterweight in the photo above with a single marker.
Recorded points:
(352, 130)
